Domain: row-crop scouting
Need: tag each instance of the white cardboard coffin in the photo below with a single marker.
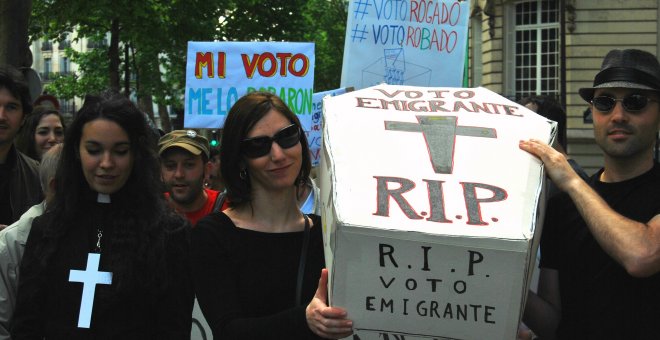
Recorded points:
(431, 212)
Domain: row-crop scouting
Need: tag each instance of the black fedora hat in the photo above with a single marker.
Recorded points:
(634, 69)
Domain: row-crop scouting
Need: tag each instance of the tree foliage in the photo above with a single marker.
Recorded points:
(320, 21)
(269, 20)
(326, 25)
(94, 80)
(148, 39)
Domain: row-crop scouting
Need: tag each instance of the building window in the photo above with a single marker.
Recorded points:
(477, 61)
(67, 107)
(65, 43)
(64, 65)
(537, 48)
(46, 45)
(96, 43)
(48, 68)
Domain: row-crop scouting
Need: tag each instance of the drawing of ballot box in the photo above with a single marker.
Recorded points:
(393, 69)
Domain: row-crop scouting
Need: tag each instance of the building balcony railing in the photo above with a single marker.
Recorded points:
(96, 44)
(64, 44)
(46, 46)
(48, 76)
(67, 107)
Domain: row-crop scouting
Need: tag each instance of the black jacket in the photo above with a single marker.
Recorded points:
(24, 187)
(48, 303)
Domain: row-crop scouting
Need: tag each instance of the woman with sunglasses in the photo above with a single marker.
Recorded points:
(108, 259)
(258, 266)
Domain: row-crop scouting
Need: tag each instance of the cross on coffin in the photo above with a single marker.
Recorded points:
(440, 134)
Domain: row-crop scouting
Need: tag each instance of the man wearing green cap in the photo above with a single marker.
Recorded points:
(184, 158)
(600, 248)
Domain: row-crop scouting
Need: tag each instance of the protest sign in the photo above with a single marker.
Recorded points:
(314, 132)
(431, 212)
(218, 73)
(405, 42)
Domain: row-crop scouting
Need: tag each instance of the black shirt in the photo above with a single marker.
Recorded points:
(245, 280)
(600, 300)
(5, 205)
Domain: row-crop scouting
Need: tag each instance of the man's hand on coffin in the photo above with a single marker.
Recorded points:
(556, 165)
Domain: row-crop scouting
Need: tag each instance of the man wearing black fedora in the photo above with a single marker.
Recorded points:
(600, 248)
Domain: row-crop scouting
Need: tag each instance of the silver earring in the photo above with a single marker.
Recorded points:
(242, 174)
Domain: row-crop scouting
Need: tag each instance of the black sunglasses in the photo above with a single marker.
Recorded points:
(632, 103)
(260, 146)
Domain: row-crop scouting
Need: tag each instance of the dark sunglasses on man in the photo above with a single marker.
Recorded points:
(260, 146)
(631, 103)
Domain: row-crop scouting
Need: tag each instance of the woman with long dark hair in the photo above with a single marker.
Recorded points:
(108, 259)
(43, 129)
(258, 266)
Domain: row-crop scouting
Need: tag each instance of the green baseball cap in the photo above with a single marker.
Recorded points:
(188, 140)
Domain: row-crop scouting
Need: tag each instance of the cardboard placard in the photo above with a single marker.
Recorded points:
(219, 73)
(314, 133)
(416, 42)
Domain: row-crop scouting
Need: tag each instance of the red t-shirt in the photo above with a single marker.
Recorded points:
(195, 216)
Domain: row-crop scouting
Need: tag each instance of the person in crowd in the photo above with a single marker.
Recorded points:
(108, 259)
(19, 178)
(258, 267)
(184, 156)
(41, 131)
(14, 237)
(213, 179)
(600, 245)
(548, 107)
(309, 197)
